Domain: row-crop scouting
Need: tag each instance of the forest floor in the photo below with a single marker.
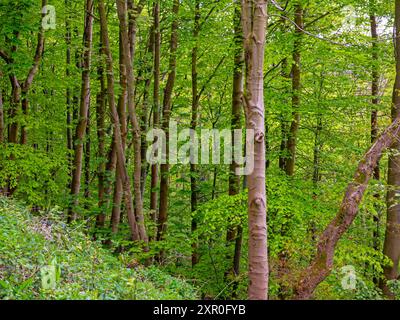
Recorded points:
(46, 259)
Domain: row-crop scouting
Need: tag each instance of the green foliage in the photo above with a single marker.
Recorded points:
(34, 249)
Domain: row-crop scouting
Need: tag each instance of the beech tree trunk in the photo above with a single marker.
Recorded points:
(122, 105)
(127, 62)
(254, 18)
(166, 114)
(70, 143)
(195, 115)
(118, 144)
(234, 234)
(101, 152)
(156, 106)
(88, 148)
(83, 111)
(296, 86)
(374, 118)
(14, 103)
(1, 118)
(144, 112)
(391, 247)
(322, 264)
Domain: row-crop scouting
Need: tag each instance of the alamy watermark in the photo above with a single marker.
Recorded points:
(208, 146)
(49, 17)
(349, 279)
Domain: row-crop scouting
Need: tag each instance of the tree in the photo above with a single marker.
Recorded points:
(121, 161)
(296, 87)
(80, 131)
(156, 106)
(254, 17)
(235, 234)
(166, 114)
(127, 56)
(392, 240)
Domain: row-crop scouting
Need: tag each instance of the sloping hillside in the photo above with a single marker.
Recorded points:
(45, 259)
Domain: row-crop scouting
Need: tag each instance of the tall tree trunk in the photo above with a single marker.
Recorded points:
(166, 114)
(156, 106)
(14, 103)
(254, 17)
(234, 234)
(296, 86)
(127, 61)
(2, 190)
(122, 104)
(374, 117)
(145, 111)
(101, 153)
(118, 144)
(87, 162)
(83, 111)
(70, 143)
(392, 239)
(195, 115)
(1, 118)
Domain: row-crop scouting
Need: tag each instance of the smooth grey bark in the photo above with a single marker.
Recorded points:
(254, 19)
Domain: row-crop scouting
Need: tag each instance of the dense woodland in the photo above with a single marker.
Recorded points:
(82, 82)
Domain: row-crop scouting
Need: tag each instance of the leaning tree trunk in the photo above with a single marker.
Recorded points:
(254, 17)
(392, 239)
(83, 111)
(322, 264)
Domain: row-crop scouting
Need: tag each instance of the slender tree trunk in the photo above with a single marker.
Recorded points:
(322, 264)
(118, 144)
(254, 17)
(83, 111)
(2, 190)
(122, 104)
(392, 239)
(127, 61)
(101, 153)
(14, 103)
(296, 86)
(374, 118)
(166, 114)
(70, 143)
(87, 162)
(156, 106)
(1, 118)
(234, 234)
(284, 124)
(195, 115)
(145, 112)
